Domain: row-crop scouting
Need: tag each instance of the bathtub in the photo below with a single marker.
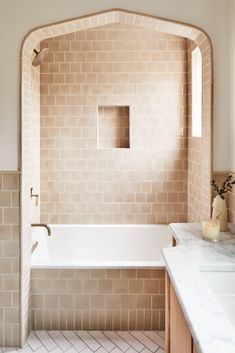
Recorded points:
(99, 277)
(100, 246)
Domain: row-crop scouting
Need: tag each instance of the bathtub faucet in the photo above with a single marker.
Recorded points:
(42, 225)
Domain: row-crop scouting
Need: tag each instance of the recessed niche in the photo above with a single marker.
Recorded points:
(113, 127)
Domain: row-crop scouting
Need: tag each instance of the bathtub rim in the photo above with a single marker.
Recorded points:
(106, 225)
(151, 265)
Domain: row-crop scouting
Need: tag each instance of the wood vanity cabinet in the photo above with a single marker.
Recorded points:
(178, 336)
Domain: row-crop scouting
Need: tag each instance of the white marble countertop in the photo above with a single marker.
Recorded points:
(210, 327)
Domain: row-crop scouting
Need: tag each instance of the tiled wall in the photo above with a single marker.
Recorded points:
(35, 141)
(30, 176)
(9, 260)
(114, 65)
(98, 299)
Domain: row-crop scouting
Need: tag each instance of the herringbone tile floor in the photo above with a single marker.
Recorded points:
(92, 341)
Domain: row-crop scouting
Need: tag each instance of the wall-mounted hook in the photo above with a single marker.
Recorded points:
(34, 195)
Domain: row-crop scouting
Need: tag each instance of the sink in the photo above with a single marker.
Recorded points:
(222, 284)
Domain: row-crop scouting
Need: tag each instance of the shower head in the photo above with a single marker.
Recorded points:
(40, 56)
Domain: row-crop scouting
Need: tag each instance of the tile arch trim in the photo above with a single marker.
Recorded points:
(194, 33)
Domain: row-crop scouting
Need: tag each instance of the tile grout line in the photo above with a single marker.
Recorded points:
(35, 338)
(156, 332)
(129, 343)
(143, 332)
(86, 343)
(57, 345)
(62, 332)
(152, 339)
(113, 341)
(101, 343)
(140, 342)
(44, 344)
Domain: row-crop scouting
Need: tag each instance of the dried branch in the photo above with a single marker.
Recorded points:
(226, 186)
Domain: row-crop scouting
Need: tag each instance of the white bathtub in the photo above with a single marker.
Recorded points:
(100, 246)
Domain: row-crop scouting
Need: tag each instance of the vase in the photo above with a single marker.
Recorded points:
(220, 212)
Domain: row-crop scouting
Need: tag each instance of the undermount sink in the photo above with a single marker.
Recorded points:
(222, 284)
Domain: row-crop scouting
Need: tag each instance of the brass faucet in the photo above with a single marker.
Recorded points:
(42, 225)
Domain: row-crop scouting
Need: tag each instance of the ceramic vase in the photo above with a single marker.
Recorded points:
(220, 212)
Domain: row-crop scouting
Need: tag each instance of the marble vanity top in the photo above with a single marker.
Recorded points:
(210, 327)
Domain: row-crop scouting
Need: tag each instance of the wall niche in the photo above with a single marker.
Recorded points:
(113, 127)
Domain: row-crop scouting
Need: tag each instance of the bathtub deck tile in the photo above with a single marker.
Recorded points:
(90, 342)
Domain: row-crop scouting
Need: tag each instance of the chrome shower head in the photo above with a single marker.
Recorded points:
(40, 56)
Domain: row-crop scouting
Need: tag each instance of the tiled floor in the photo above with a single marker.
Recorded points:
(93, 341)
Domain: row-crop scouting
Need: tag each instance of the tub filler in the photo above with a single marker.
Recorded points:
(98, 277)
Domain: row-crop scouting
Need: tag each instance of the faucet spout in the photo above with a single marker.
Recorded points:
(42, 225)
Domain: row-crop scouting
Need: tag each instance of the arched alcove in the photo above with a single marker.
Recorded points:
(199, 151)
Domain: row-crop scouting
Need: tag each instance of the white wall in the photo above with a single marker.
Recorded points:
(17, 18)
(232, 85)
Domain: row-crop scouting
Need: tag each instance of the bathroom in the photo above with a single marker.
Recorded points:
(106, 154)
